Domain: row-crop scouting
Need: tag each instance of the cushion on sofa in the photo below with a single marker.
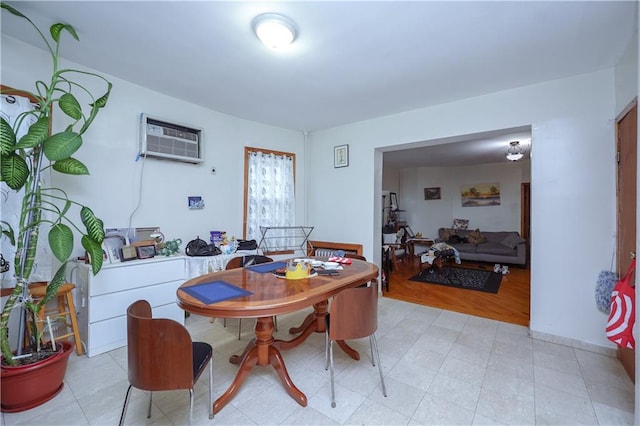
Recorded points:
(476, 237)
(465, 247)
(512, 240)
(495, 248)
(445, 233)
(460, 223)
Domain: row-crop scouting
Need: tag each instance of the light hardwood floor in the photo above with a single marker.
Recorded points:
(510, 304)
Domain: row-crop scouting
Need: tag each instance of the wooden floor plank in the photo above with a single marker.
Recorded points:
(510, 304)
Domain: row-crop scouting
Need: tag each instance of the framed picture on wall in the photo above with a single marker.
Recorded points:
(480, 195)
(341, 156)
(432, 193)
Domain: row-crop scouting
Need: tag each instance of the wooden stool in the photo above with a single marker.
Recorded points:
(66, 310)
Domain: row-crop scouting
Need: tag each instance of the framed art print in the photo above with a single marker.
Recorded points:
(341, 156)
(146, 252)
(432, 193)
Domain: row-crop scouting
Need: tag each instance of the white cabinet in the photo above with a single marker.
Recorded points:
(103, 299)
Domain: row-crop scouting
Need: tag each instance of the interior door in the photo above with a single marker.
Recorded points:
(627, 134)
(627, 128)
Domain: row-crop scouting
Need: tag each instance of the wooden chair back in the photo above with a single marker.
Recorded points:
(159, 351)
(354, 313)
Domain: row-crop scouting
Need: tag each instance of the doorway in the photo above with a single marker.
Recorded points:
(416, 166)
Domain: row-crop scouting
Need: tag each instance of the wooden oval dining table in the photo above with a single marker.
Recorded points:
(272, 295)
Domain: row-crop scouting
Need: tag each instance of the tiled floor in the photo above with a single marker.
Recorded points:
(440, 368)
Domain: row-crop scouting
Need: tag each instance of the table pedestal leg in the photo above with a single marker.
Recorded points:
(263, 352)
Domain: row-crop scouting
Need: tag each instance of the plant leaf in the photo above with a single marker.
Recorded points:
(101, 102)
(12, 10)
(94, 251)
(37, 134)
(14, 171)
(62, 145)
(70, 106)
(95, 108)
(61, 241)
(56, 29)
(95, 226)
(53, 285)
(7, 230)
(7, 138)
(70, 166)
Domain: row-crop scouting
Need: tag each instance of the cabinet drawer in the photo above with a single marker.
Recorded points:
(133, 275)
(115, 304)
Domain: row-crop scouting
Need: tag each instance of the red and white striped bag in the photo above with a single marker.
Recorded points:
(339, 259)
(622, 317)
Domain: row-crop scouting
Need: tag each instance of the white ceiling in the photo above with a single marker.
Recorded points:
(351, 61)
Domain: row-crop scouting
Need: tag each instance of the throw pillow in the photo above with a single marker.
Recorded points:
(512, 240)
(476, 237)
(445, 234)
(460, 223)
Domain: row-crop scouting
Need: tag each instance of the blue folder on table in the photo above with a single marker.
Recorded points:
(215, 291)
(266, 267)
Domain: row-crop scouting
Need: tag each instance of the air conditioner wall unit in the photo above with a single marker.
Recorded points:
(169, 140)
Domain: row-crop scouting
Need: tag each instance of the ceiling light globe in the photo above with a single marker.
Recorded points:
(515, 151)
(514, 157)
(275, 31)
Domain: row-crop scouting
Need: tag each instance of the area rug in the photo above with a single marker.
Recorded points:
(467, 278)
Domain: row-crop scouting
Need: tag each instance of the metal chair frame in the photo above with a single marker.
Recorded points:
(353, 314)
(161, 357)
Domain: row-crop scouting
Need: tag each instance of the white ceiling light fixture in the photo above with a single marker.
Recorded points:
(515, 151)
(274, 30)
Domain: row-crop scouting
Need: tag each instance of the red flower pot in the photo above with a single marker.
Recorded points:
(27, 386)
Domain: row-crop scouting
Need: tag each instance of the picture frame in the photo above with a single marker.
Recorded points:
(480, 195)
(433, 193)
(128, 253)
(146, 251)
(341, 156)
(195, 202)
(112, 245)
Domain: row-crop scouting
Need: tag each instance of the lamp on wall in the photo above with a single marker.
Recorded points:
(274, 30)
(515, 151)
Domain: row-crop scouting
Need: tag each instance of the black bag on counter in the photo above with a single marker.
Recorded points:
(200, 247)
(247, 245)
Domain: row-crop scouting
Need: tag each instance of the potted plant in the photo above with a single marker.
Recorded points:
(24, 161)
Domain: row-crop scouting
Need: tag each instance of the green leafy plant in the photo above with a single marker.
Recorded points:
(23, 162)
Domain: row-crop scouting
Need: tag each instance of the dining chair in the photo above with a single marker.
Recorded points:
(162, 356)
(241, 262)
(353, 314)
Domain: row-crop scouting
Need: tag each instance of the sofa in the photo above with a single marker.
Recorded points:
(504, 247)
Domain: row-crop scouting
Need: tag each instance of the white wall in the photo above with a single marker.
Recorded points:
(572, 175)
(627, 75)
(118, 183)
(572, 185)
(427, 216)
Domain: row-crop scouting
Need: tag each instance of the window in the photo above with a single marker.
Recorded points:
(269, 190)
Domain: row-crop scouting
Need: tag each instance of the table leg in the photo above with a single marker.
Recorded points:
(262, 352)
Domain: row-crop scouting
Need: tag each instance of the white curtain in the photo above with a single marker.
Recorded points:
(270, 196)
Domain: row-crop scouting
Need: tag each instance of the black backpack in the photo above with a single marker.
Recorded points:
(200, 247)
